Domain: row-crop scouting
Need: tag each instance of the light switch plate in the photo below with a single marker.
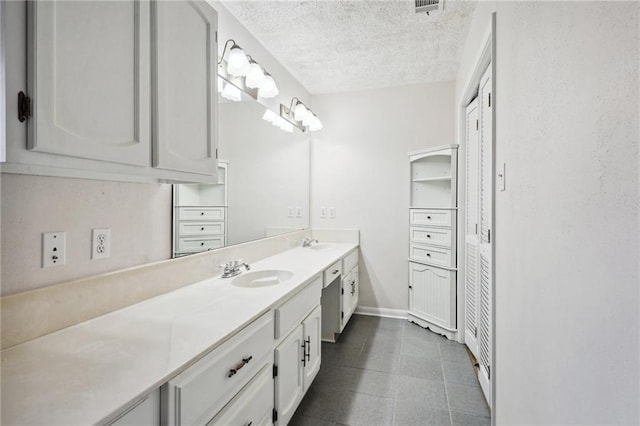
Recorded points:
(332, 212)
(323, 212)
(290, 212)
(298, 211)
(54, 249)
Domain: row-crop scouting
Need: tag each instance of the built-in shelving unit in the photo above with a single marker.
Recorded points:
(200, 215)
(432, 239)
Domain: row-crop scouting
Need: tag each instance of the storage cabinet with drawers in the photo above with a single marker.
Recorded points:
(200, 215)
(432, 239)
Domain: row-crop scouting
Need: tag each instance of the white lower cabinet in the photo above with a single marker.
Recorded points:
(196, 395)
(432, 295)
(253, 405)
(144, 412)
(298, 360)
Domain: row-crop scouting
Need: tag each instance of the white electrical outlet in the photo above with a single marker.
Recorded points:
(323, 212)
(53, 249)
(290, 211)
(332, 212)
(298, 211)
(100, 243)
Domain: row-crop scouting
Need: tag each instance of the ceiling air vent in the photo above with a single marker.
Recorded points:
(429, 6)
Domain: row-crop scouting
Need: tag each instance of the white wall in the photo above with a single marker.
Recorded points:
(566, 231)
(360, 167)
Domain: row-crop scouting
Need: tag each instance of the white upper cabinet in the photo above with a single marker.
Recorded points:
(118, 90)
(185, 71)
(90, 80)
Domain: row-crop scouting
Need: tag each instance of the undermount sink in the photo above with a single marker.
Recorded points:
(320, 246)
(265, 278)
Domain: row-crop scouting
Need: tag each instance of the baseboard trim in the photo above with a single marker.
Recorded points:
(381, 312)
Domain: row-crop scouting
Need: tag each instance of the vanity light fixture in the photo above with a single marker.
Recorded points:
(240, 66)
(277, 121)
(301, 116)
(231, 92)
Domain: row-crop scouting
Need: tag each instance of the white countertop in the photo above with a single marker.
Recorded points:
(87, 373)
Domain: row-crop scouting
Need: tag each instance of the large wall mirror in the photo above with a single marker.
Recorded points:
(262, 190)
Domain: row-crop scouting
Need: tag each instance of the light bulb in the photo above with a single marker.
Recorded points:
(269, 116)
(237, 62)
(231, 92)
(315, 124)
(268, 88)
(300, 112)
(308, 119)
(255, 76)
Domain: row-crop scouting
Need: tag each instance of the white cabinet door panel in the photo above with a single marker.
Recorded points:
(185, 61)
(89, 80)
(312, 326)
(290, 379)
(432, 294)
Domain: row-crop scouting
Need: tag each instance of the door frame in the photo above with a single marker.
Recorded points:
(485, 58)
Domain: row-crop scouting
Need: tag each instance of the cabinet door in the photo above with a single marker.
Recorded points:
(432, 294)
(312, 326)
(346, 300)
(290, 379)
(471, 228)
(185, 70)
(89, 79)
(355, 277)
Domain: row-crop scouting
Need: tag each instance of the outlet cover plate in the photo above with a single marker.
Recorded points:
(100, 243)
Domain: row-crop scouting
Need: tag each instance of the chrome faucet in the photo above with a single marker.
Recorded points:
(308, 241)
(232, 268)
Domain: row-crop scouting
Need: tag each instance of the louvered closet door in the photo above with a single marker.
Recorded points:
(471, 228)
(486, 241)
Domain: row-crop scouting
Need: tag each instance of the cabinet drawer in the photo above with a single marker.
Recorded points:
(430, 254)
(332, 272)
(436, 236)
(201, 213)
(198, 393)
(430, 217)
(253, 405)
(350, 261)
(188, 244)
(293, 311)
(200, 228)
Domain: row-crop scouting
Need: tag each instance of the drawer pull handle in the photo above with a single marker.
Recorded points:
(244, 362)
(336, 271)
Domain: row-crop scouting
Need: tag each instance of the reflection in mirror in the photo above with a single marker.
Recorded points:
(262, 189)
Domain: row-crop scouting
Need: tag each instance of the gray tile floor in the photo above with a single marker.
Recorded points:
(392, 372)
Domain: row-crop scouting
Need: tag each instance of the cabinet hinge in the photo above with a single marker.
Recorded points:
(489, 372)
(342, 291)
(274, 415)
(216, 36)
(475, 332)
(341, 314)
(275, 371)
(476, 124)
(476, 229)
(216, 153)
(24, 106)
(488, 235)
(489, 98)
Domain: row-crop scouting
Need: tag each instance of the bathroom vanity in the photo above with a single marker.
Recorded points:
(236, 350)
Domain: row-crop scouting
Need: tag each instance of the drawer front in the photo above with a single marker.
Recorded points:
(436, 236)
(203, 389)
(425, 217)
(292, 312)
(253, 405)
(188, 244)
(350, 261)
(200, 228)
(201, 213)
(332, 272)
(430, 254)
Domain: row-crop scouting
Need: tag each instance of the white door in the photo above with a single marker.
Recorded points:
(89, 75)
(185, 70)
(290, 380)
(486, 239)
(312, 326)
(471, 228)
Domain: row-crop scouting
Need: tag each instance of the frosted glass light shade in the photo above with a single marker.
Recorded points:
(300, 112)
(220, 85)
(268, 88)
(255, 76)
(269, 116)
(237, 62)
(315, 124)
(307, 120)
(231, 92)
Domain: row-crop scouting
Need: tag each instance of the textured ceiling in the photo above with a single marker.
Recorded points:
(344, 45)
